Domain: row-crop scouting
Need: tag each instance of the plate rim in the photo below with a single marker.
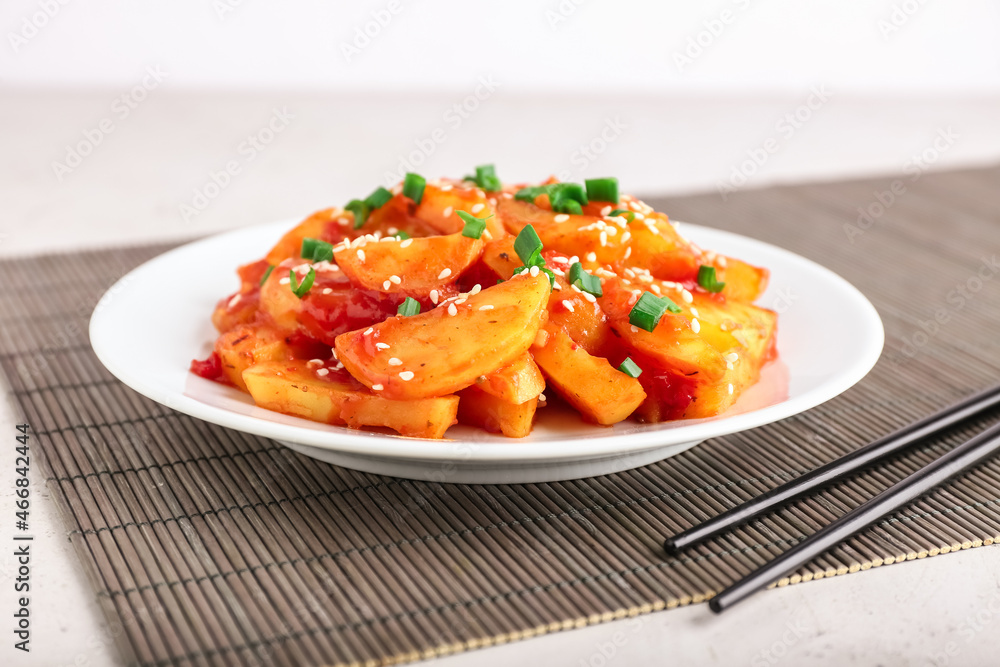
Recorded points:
(339, 438)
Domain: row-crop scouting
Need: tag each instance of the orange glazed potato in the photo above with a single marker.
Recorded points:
(516, 382)
(446, 349)
(295, 388)
(601, 393)
(477, 408)
(246, 345)
(413, 266)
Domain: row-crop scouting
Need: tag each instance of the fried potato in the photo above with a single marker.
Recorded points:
(477, 408)
(293, 388)
(440, 352)
(601, 393)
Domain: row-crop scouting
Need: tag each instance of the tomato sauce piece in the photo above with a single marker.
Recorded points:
(210, 368)
(344, 308)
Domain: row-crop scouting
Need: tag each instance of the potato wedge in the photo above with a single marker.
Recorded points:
(477, 408)
(291, 243)
(439, 208)
(294, 388)
(672, 345)
(420, 418)
(440, 353)
(516, 382)
(601, 393)
(420, 265)
(246, 345)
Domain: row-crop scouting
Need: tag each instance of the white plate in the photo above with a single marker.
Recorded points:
(150, 324)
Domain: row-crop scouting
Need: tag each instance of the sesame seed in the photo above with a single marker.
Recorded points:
(486, 307)
(327, 290)
(592, 256)
(730, 387)
(556, 286)
(476, 290)
(507, 195)
(533, 271)
(406, 376)
(604, 240)
(232, 302)
(447, 212)
(478, 207)
(386, 285)
(721, 261)
(314, 362)
(694, 312)
(576, 289)
(284, 281)
(731, 357)
(406, 243)
(629, 272)
(395, 280)
(322, 372)
(655, 288)
(562, 217)
(377, 387)
(729, 365)
(605, 211)
(434, 296)
(342, 221)
(382, 346)
(446, 187)
(635, 329)
(695, 325)
(444, 274)
(460, 300)
(361, 254)
(626, 236)
(541, 397)
(640, 216)
(368, 331)
(568, 305)
(590, 297)
(452, 310)
(395, 362)
(687, 296)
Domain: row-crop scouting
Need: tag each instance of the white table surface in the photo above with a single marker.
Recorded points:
(943, 610)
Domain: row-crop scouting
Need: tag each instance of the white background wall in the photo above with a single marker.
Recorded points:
(882, 46)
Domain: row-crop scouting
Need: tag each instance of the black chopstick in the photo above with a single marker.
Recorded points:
(842, 466)
(962, 457)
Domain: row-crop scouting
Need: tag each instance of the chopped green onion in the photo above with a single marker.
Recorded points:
(379, 198)
(413, 187)
(586, 281)
(474, 227)
(628, 215)
(300, 289)
(708, 279)
(568, 206)
(602, 189)
(486, 178)
(267, 274)
(316, 250)
(648, 310)
(409, 307)
(630, 368)
(572, 191)
(529, 194)
(401, 235)
(528, 246)
(360, 209)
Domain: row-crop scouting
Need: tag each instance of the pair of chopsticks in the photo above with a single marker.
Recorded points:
(960, 458)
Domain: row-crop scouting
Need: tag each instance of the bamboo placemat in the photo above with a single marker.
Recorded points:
(213, 547)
